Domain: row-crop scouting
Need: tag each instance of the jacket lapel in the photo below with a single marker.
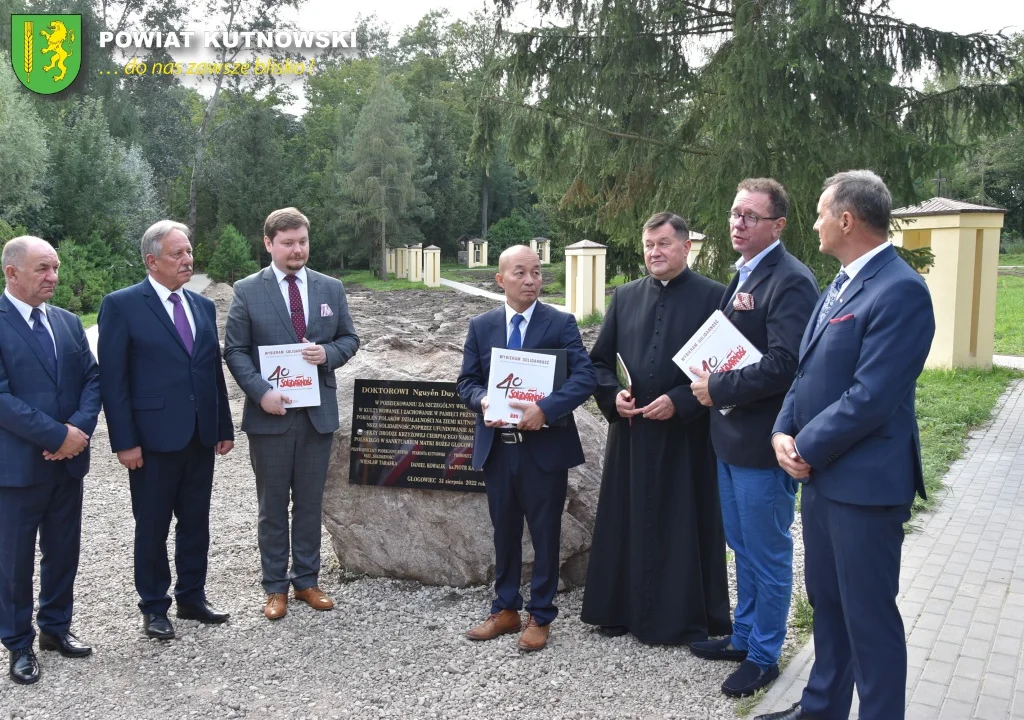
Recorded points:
(198, 318)
(839, 306)
(758, 276)
(537, 326)
(277, 300)
(313, 298)
(18, 323)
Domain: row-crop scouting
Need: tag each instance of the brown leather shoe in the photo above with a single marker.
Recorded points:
(535, 636)
(499, 623)
(315, 598)
(277, 606)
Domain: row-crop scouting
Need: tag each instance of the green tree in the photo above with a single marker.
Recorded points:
(383, 182)
(23, 152)
(633, 107)
(96, 185)
(232, 258)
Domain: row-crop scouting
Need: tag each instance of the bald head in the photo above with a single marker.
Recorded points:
(30, 268)
(515, 254)
(519, 276)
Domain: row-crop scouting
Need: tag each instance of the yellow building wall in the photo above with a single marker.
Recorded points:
(962, 283)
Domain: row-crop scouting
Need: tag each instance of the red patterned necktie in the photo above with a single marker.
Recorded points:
(298, 316)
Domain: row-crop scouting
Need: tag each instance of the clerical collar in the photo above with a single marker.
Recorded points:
(674, 281)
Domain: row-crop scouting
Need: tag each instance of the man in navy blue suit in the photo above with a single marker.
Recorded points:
(847, 429)
(526, 467)
(49, 403)
(167, 413)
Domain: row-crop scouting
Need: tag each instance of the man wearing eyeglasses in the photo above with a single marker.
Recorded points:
(769, 300)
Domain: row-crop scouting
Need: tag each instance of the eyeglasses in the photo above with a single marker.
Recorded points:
(749, 219)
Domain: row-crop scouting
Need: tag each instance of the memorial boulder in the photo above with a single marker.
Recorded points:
(438, 537)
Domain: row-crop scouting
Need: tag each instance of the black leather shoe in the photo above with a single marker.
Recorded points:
(748, 679)
(65, 643)
(720, 649)
(611, 631)
(24, 666)
(202, 612)
(794, 713)
(158, 626)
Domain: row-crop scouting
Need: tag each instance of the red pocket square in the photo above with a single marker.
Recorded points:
(844, 318)
(743, 301)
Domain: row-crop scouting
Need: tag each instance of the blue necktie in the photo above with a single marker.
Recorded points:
(44, 339)
(833, 294)
(515, 340)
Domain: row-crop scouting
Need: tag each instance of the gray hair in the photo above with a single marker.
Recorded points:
(153, 238)
(864, 195)
(16, 249)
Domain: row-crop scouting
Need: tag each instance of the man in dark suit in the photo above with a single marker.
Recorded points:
(168, 415)
(769, 300)
(526, 467)
(284, 304)
(848, 430)
(49, 402)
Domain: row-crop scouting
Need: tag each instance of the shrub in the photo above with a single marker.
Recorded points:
(231, 259)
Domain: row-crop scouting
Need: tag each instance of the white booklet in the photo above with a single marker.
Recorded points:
(283, 367)
(716, 347)
(517, 375)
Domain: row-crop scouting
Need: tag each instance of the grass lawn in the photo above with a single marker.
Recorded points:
(949, 404)
(367, 280)
(88, 320)
(1009, 338)
(1012, 259)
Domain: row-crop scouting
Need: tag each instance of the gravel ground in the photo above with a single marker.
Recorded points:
(389, 649)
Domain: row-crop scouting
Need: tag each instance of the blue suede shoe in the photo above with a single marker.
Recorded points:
(720, 649)
(748, 679)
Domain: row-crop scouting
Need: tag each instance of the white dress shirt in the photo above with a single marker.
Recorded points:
(303, 290)
(165, 298)
(527, 314)
(26, 312)
(857, 265)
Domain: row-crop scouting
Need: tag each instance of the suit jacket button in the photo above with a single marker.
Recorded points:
(191, 397)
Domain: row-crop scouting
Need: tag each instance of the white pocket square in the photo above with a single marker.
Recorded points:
(325, 311)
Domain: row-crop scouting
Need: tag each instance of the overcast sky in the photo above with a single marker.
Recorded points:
(965, 16)
(950, 15)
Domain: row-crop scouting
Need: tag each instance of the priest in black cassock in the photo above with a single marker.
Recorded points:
(657, 563)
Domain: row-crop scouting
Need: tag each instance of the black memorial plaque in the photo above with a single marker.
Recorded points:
(412, 435)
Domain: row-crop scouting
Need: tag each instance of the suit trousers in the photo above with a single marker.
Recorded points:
(177, 484)
(758, 505)
(516, 489)
(51, 506)
(852, 572)
(290, 468)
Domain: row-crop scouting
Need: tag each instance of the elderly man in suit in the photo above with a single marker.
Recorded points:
(284, 304)
(526, 467)
(848, 430)
(769, 300)
(49, 403)
(167, 413)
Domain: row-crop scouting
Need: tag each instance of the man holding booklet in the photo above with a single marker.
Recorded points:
(657, 562)
(526, 463)
(769, 302)
(284, 305)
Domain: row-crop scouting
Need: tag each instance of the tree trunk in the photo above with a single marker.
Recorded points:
(383, 237)
(483, 207)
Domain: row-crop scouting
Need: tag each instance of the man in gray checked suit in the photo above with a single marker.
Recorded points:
(283, 304)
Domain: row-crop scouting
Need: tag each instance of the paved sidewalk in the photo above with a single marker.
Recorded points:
(961, 588)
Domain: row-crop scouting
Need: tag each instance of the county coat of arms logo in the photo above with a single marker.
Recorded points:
(46, 51)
